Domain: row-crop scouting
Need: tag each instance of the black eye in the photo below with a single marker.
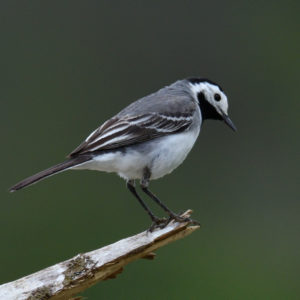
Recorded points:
(217, 97)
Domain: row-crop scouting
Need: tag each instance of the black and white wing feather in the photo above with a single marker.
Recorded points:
(125, 130)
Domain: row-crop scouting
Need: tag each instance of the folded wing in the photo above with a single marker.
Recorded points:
(125, 130)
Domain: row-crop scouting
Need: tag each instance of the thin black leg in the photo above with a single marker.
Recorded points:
(156, 222)
(172, 215)
(144, 186)
(132, 189)
(153, 197)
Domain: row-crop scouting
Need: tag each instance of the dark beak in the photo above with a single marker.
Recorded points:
(229, 122)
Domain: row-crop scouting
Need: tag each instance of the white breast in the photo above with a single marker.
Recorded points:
(171, 151)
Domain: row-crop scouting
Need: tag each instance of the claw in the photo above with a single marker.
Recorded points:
(158, 223)
(181, 219)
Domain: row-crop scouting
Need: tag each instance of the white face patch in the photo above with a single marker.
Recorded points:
(213, 95)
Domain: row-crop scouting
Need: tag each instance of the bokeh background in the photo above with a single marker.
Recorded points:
(67, 66)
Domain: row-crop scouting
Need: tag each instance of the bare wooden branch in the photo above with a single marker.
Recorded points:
(68, 278)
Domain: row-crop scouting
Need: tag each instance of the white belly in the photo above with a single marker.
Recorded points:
(161, 156)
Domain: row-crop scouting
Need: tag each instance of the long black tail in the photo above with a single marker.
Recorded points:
(50, 171)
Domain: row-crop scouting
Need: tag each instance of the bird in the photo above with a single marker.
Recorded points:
(148, 139)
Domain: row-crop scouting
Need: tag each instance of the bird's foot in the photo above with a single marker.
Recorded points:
(158, 223)
(182, 219)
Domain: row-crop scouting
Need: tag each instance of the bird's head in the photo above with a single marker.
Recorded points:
(212, 100)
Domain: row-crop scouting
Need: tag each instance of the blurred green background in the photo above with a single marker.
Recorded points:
(67, 66)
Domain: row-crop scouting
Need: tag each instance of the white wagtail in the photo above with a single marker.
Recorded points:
(149, 138)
